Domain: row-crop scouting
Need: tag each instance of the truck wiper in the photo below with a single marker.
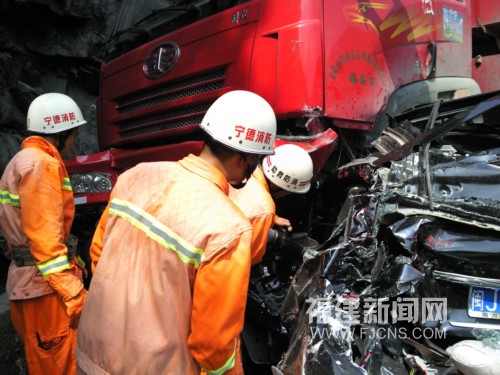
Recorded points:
(432, 133)
(138, 26)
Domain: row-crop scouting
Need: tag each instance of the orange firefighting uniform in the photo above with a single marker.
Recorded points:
(171, 260)
(258, 206)
(36, 212)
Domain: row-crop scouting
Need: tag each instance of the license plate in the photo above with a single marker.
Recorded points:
(484, 303)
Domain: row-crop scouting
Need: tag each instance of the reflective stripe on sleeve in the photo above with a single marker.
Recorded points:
(7, 197)
(54, 265)
(67, 184)
(81, 261)
(156, 231)
(227, 366)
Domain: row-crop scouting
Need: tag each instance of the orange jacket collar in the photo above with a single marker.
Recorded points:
(42, 144)
(199, 166)
(258, 174)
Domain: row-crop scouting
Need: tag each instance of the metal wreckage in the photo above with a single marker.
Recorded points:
(410, 269)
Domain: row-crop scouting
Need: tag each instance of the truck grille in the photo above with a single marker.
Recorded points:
(178, 90)
(164, 121)
(167, 120)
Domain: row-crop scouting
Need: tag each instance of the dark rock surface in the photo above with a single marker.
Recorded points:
(46, 46)
(50, 46)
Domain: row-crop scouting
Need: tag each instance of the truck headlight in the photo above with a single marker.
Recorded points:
(93, 182)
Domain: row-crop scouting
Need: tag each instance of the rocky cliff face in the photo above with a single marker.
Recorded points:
(50, 46)
(46, 46)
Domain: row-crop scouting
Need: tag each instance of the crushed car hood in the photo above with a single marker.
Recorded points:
(422, 222)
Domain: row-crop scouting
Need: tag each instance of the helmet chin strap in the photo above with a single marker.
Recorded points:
(250, 168)
(241, 185)
(248, 174)
(61, 140)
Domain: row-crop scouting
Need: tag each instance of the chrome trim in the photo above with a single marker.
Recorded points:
(475, 325)
(161, 60)
(467, 280)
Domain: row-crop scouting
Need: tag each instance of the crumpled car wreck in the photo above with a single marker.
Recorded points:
(412, 266)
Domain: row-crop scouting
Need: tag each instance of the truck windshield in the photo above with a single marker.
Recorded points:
(142, 21)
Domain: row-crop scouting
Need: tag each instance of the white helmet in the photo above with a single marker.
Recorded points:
(243, 121)
(290, 168)
(53, 113)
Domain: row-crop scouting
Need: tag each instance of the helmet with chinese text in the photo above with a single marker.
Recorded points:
(290, 168)
(53, 113)
(243, 121)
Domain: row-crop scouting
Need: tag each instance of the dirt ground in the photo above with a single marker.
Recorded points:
(12, 360)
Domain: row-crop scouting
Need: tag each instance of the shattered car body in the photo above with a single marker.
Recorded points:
(413, 264)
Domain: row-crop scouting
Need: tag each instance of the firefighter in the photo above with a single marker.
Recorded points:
(289, 170)
(171, 255)
(44, 282)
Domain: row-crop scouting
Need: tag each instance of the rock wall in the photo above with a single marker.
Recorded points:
(46, 46)
(50, 46)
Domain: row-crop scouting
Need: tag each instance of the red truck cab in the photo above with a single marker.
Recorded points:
(486, 44)
(328, 68)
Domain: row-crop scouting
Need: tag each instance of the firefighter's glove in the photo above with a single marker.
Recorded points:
(74, 307)
(80, 263)
(68, 284)
(284, 245)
